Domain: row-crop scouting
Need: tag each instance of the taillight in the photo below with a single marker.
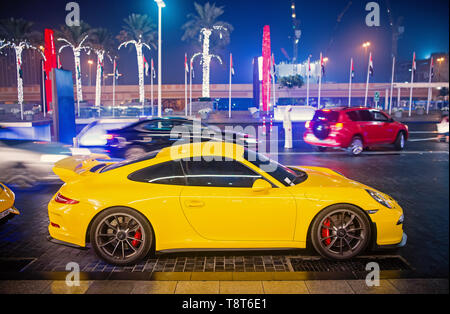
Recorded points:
(65, 200)
(307, 124)
(109, 137)
(339, 126)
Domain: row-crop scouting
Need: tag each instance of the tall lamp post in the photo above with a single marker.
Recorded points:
(161, 5)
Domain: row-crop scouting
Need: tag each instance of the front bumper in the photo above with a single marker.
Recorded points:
(401, 244)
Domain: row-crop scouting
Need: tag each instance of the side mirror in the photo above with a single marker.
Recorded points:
(261, 186)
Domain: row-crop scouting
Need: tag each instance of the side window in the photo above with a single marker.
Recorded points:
(169, 173)
(379, 116)
(219, 174)
(353, 115)
(158, 125)
(365, 115)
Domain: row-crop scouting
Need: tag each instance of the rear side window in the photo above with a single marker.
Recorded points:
(353, 115)
(169, 173)
(327, 116)
(219, 174)
(365, 115)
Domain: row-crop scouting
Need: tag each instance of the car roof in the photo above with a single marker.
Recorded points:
(348, 109)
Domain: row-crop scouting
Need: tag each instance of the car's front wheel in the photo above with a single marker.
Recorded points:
(340, 232)
(121, 236)
(400, 141)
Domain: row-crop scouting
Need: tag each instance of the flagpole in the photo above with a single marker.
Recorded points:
(229, 92)
(392, 85)
(412, 82)
(350, 84)
(429, 86)
(185, 86)
(320, 81)
(367, 83)
(307, 80)
(190, 88)
(114, 87)
(151, 88)
(273, 80)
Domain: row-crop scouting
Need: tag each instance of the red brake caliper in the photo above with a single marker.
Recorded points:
(326, 232)
(137, 236)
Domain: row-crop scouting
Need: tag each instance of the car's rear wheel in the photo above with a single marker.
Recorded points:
(356, 146)
(121, 236)
(134, 152)
(340, 232)
(320, 148)
(400, 142)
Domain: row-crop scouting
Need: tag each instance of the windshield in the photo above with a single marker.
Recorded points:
(283, 174)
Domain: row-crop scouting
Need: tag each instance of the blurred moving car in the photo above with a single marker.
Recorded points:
(26, 164)
(354, 129)
(223, 197)
(149, 135)
(93, 134)
(7, 199)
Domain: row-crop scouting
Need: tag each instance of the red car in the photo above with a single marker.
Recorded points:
(354, 129)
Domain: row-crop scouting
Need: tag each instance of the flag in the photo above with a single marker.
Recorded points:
(153, 69)
(59, 62)
(146, 66)
(273, 68)
(371, 71)
(20, 69)
(116, 70)
(101, 68)
(432, 67)
(309, 67)
(192, 68)
(414, 65)
(186, 67)
(322, 65)
(231, 64)
(353, 69)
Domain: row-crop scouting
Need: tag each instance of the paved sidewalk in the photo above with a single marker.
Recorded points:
(387, 286)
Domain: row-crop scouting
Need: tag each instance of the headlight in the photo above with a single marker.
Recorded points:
(379, 198)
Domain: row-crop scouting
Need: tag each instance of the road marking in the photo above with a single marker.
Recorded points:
(423, 132)
(422, 139)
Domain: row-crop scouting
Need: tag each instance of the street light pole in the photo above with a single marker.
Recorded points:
(161, 5)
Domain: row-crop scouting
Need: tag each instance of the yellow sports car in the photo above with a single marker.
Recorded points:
(7, 199)
(216, 196)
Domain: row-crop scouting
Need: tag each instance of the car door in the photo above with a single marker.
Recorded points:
(220, 204)
(156, 133)
(369, 127)
(386, 131)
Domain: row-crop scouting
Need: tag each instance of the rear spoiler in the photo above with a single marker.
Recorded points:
(69, 169)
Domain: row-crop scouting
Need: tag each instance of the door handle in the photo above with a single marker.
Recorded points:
(195, 204)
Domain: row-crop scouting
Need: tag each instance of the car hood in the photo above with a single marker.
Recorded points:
(319, 177)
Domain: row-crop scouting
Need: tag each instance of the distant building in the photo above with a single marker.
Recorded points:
(403, 69)
(31, 66)
(288, 69)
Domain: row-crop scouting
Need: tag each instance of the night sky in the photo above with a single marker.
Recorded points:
(426, 31)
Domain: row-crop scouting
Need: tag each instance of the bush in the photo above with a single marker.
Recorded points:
(292, 81)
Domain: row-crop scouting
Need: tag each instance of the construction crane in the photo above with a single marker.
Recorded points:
(397, 29)
(338, 22)
(297, 32)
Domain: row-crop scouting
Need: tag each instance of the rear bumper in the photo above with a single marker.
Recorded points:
(329, 142)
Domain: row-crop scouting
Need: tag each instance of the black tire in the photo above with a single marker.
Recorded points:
(356, 146)
(400, 141)
(106, 238)
(320, 149)
(134, 152)
(344, 239)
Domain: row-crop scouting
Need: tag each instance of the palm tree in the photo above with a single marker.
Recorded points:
(18, 35)
(102, 44)
(75, 37)
(139, 31)
(214, 33)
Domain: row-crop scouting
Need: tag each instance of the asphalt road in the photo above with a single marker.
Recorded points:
(417, 177)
